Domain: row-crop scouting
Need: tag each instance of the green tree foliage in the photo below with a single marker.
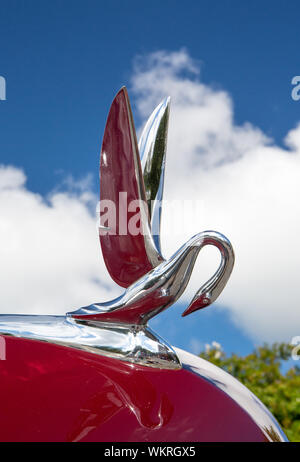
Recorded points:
(261, 372)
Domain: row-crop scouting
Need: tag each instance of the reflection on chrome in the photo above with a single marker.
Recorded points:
(129, 343)
(152, 147)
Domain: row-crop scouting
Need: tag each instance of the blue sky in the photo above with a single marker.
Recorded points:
(63, 61)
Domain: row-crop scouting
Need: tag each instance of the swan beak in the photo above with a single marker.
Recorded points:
(197, 304)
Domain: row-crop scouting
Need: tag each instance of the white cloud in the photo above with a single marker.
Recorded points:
(50, 256)
(249, 189)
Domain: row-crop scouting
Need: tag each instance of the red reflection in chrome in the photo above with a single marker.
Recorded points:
(125, 255)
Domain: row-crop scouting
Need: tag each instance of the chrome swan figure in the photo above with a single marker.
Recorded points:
(132, 179)
(153, 284)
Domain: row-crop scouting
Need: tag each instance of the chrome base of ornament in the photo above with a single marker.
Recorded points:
(135, 344)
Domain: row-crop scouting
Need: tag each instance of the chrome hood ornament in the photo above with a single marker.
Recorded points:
(131, 183)
(134, 260)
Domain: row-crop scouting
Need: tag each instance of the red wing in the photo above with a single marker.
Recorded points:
(127, 256)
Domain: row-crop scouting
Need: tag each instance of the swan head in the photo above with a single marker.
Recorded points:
(198, 302)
